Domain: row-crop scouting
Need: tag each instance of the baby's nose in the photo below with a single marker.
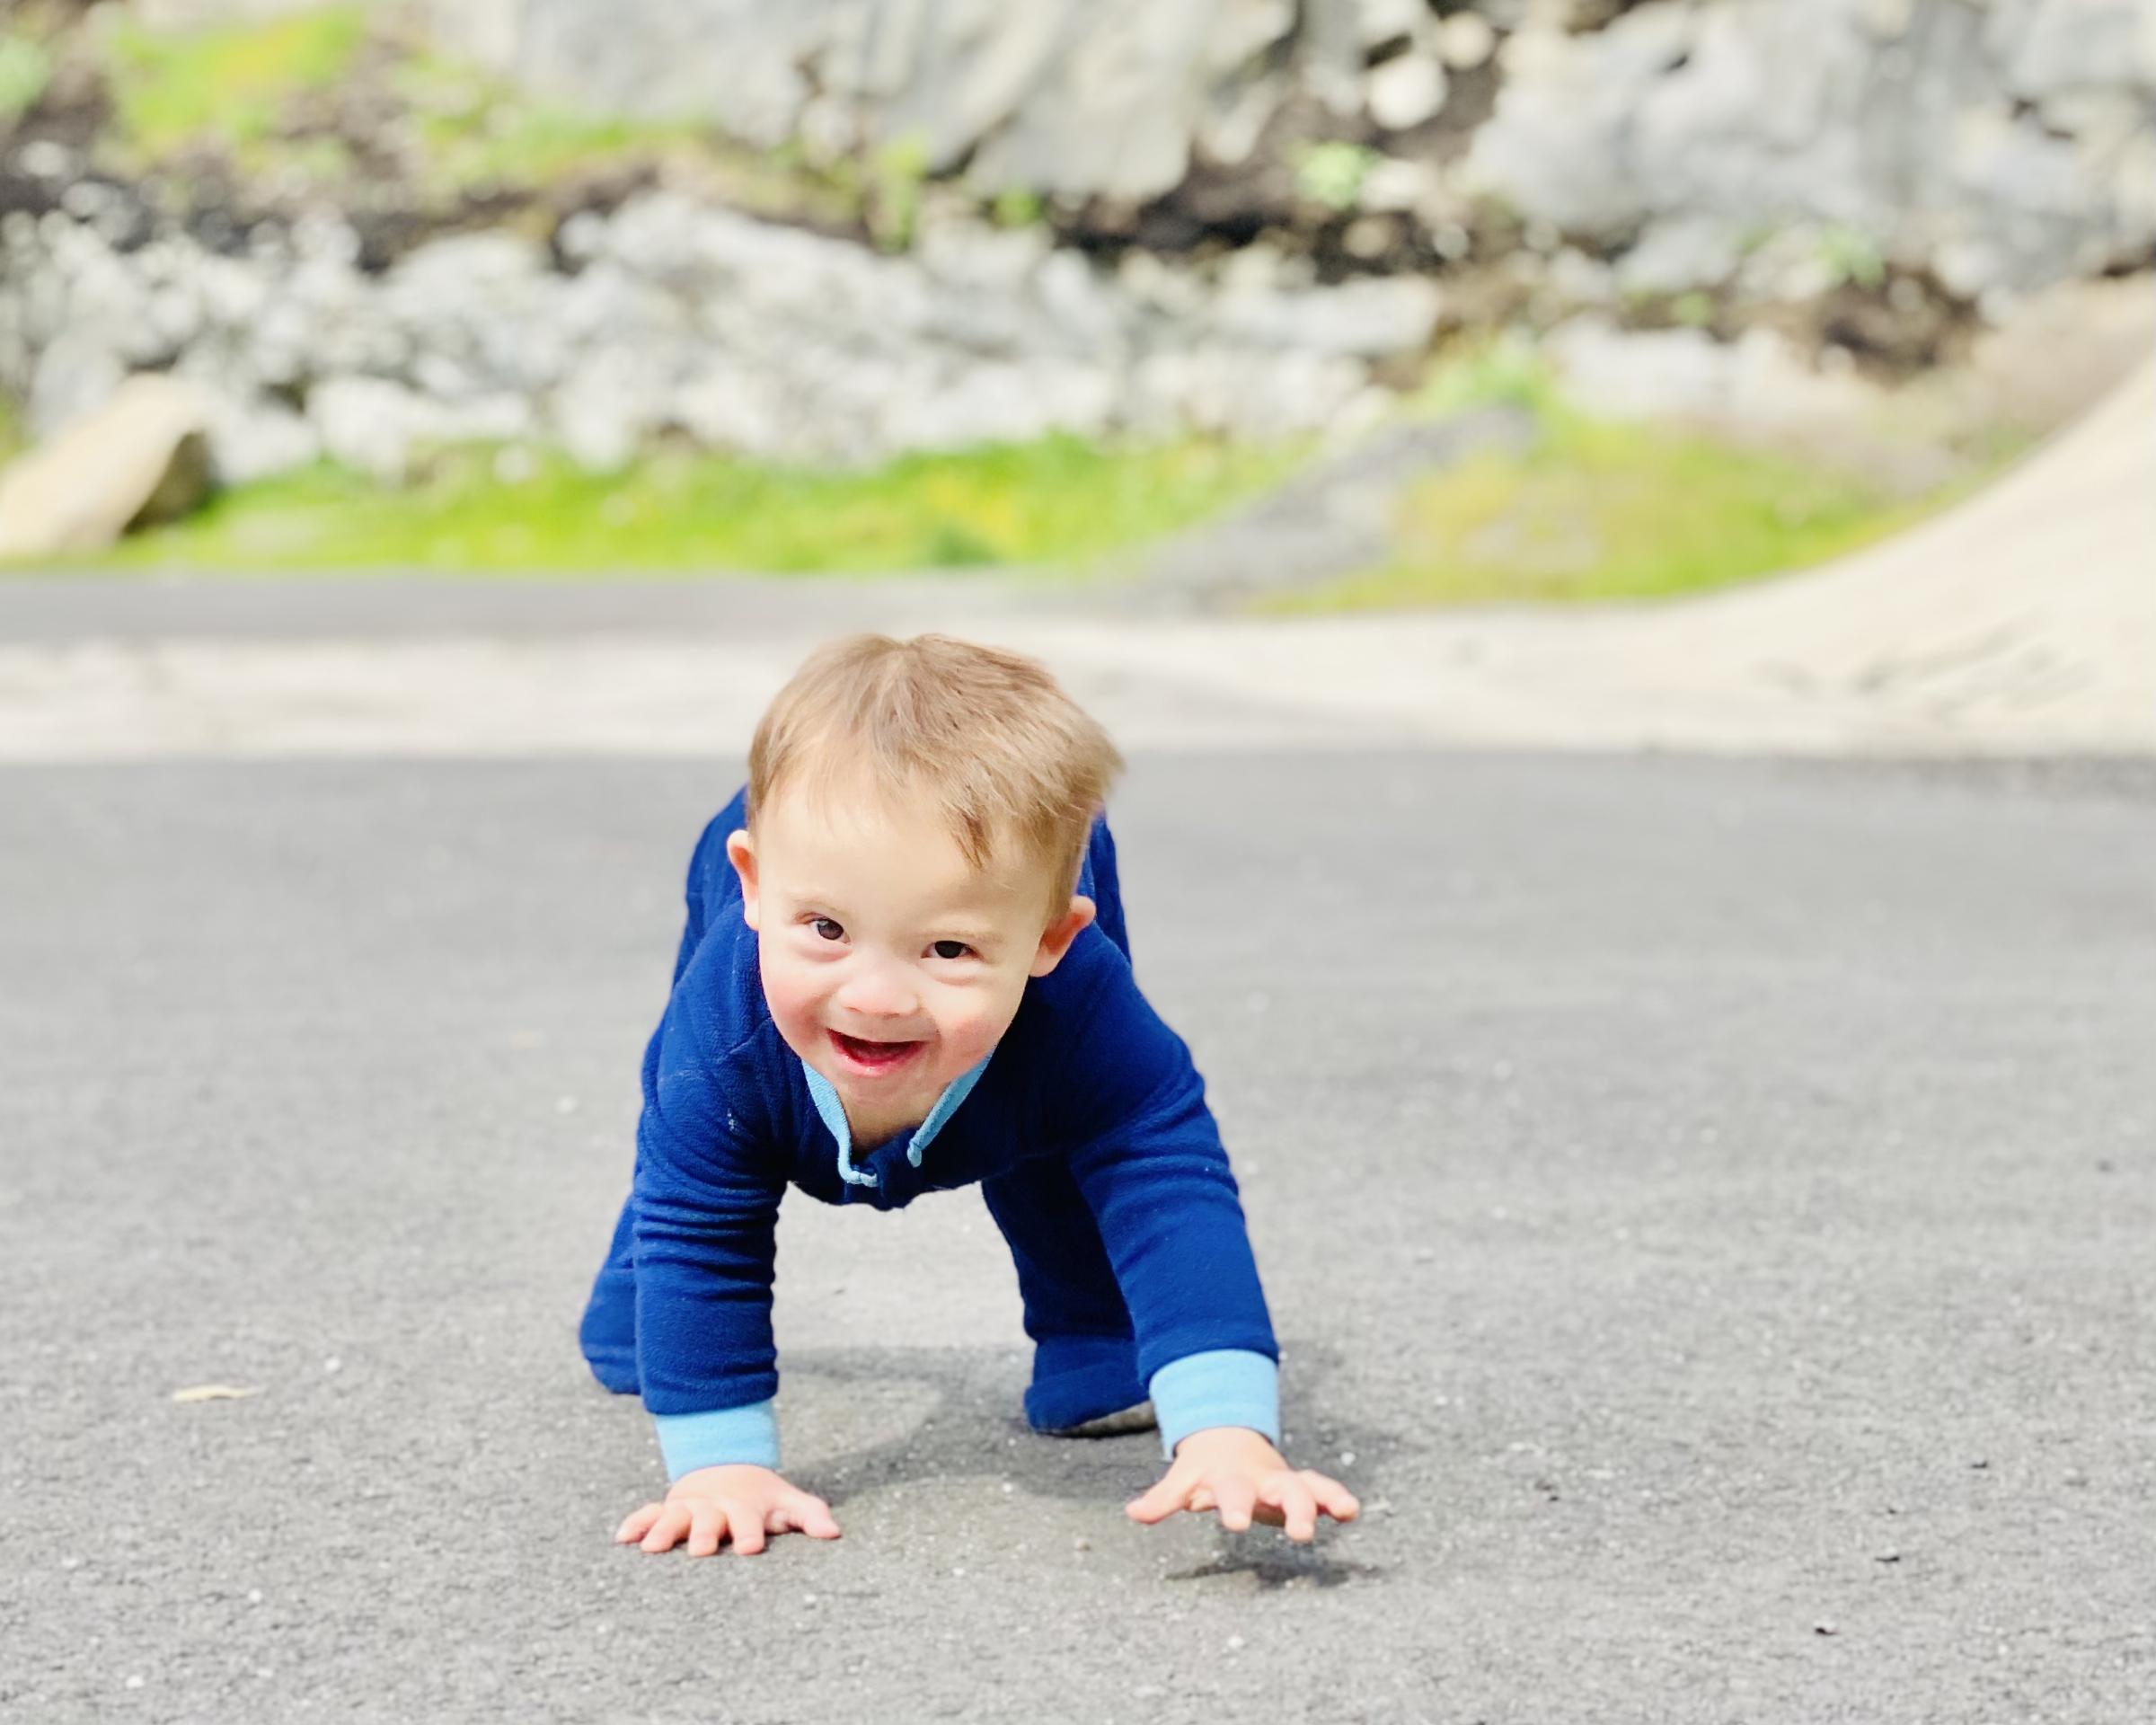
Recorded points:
(877, 993)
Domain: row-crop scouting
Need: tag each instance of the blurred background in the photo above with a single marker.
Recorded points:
(1519, 299)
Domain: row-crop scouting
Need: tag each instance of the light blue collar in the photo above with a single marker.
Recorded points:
(834, 1117)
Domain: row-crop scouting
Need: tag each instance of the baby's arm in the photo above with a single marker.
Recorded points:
(1157, 1179)
(706, 1216)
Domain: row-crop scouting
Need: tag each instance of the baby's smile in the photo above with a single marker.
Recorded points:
(873, 1058)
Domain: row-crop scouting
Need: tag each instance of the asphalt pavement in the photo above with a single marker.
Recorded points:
(1706, 1205)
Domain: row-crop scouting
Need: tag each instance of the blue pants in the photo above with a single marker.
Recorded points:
(1084, 1354)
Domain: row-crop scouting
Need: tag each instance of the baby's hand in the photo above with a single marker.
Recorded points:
(1236, 1471)
(740, 1498)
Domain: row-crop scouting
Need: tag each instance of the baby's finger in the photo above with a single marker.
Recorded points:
(1171, 1494)
(810, 1516)
(1298, 1508)
(1237, 1500)
(707, 1526)
(672, 1523)
(747, 1523)
(1201, 1499)
(639, 1522)
(1333, 1498)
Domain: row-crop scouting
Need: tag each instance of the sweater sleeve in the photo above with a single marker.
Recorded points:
(1153, 1170)
(707, 1209)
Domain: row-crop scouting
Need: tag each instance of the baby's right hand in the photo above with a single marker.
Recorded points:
(740, 1498)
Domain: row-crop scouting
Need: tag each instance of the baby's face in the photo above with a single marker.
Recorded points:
(889, 967)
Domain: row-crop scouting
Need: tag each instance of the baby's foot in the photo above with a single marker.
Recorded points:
(1119, 1424)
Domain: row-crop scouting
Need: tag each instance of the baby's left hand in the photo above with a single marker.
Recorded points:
(1236, 1471)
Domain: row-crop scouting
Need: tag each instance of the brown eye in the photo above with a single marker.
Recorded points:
(962, 948)
(821, 923)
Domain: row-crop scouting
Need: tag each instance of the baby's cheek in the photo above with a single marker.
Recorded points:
(793, 999)
(974, 1032)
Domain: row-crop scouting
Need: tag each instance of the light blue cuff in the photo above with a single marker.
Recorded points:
(1226, 1387)
(692, 1440)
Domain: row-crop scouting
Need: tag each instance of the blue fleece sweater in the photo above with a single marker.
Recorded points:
(1087, 1072)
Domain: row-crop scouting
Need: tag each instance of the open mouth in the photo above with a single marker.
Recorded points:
(871, 1058)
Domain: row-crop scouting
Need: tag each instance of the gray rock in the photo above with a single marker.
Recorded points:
(1794, 264)
(1243, 29)
(1219, 389)
(973, 256)
(1756, 382)
(76, 373)
(231, 294)
(683, 59)
(2047, 48)
(730, 407)
(1396, 185)
(1118, 116)
(43, 159)
(1465, 41)
(369, 423)
(1644, 374)
(1578, 280)
(983, 65)
(1559, 144)
(140, 458)
(1000, 403)
(607, 406)
(378, 426)
(1366, 318)
(1782, 113)
(1379, 21)
(463, 267)
(1406, 90)
(253, 438)
(1077, 305)
(609, 303)
(1235, 119)
(1673, 257)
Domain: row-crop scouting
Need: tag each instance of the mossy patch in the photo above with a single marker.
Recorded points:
(25, 70)
(1058, 500)
(347, 101)
(1608, 512)
(225, 87)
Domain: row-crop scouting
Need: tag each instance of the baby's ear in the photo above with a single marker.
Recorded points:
(741, 852)
(1061, 932)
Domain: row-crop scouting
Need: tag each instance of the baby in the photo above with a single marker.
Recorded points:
(905, 970)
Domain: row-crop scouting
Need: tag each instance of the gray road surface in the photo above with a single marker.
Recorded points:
(1707, 1208)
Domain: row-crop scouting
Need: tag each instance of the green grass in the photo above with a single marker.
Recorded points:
(1603, 512)
(25, 69)
(225, 86)
(1057, 500)
(479, 131)
(244, 91)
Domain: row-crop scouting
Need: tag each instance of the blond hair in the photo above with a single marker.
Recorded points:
(988, 736)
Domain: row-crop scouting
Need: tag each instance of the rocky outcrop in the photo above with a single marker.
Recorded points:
(1254, 215)
(2000, 144)
(673, 317)
(1055, 95)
